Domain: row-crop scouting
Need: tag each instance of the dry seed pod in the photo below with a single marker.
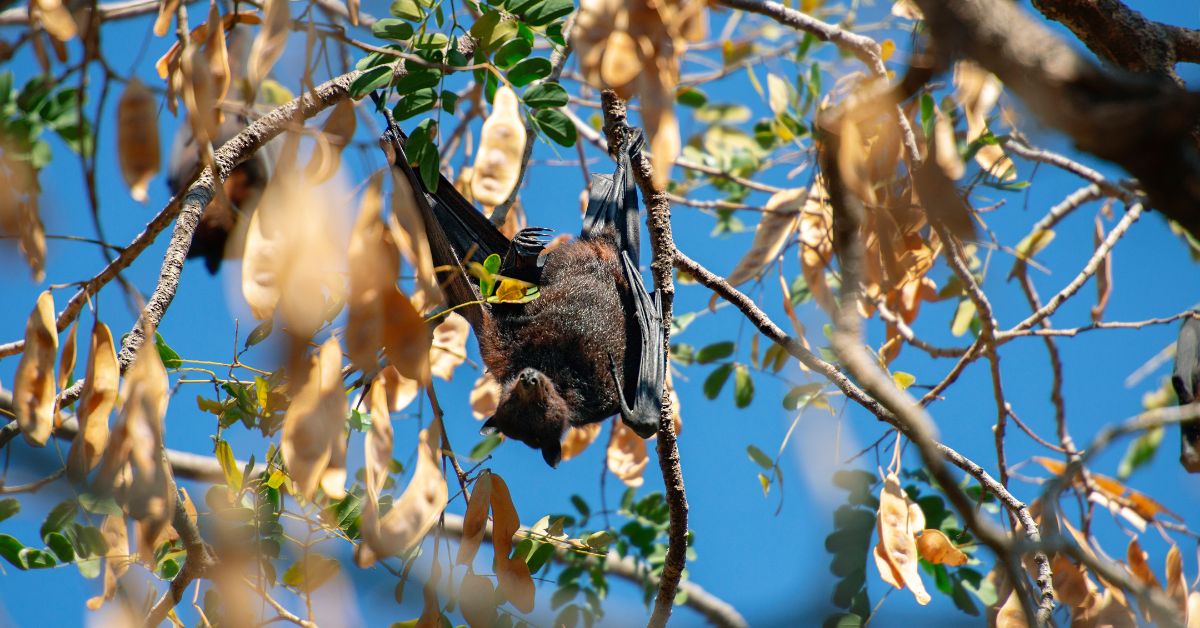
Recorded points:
(314, 422)
(96, 402)
(374, 263)
(416, 510)
(399, 389)
(477, 601)
(935, 547)
(137, 138)
(516, 583)
(56, 19)
(485, 397)
(578, 439)
(33, 387)
(166, 13)
(217, 55)
(272, 38)
(449, 347)
(501, 147)
(776, 228)
(261, 262)
(627, 455)
(336, 134)
(897, 546)
(475, 520)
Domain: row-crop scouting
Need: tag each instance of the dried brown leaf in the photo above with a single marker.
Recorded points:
(896, 537)
(1177, 588)
(816, 239)
(166, 13)
(477, 601)
(137, 138)
(335, 135)
(1104, 276)
(217, 55)
(485, 397)
(96, 401)
(314, 421)
(377, 446)
(475, 519)
(977, 91)
(627, 455)
(501, 148)
(1138, 564)
(414, 513)
(578, 438)
(449, 348)
(400, 390)
(776, 228)
(406, 340)
(515, 581)
(271, 39)
(374, 264)
(33, 386)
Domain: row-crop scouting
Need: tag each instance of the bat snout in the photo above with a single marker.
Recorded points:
(529, 378)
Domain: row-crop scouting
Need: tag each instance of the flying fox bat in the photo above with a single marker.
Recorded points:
(591, 345)
(1186, 381)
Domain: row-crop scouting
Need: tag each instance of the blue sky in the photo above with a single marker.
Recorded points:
(771, 567)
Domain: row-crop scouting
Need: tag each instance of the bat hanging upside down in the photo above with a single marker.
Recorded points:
(1186, 381)
(591, 345)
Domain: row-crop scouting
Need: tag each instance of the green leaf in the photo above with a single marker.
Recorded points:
(407, 9)
(59, 517)
(414, 103)
(6, 84)
(546, 95)
(431, 41)
(260, 333)
(492, 30)
(800, 396)
(60, 546)
(691, 97)
(449, 99)
(99, 505)
(928, 115)
(370, 80)
(485, 446)
(37, 559)
(9, 506)
(903, 380)
(309, 573)
(716, 380)
(170, 358)
(392, 28)
(418, 78)
(541, 12)
(759, 457)
(599, 540)
(743, 387)
(10, 550)
(714, 352)
(511, 52)
(556, 125)
(168, 569)
(1140, 452)
(233, 475)
(529, 70)
(421, 151)
(540, 556)
(581, 506)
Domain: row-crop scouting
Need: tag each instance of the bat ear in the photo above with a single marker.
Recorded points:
(489, 427)
(552, 453)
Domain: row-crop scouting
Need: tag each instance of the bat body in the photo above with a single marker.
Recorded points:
(1186, 381)
(590, 346)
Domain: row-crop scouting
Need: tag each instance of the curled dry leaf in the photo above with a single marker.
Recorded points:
(335, 135)
(578, 439)
(260, 268)
(315, 420)
(116, 560)
(945, 148)
(501, 147)
(333, 478)
(66, 368)
(449, 347)
(399, 389)
(431, 612)
(978, 91)
(1136, 557)
(897, 545)
(406, 340)
(139, 449)
(477, 599)
(408, 231)
(374, 264)
(776, 228)
(935, 547)
(816, 240)
(475, 519)
(1104, 275)
(56, 19)
(96, 402)
(166, 13)
(200, 95)
(515, 581)
(414, 513)
(271, 39)
(485, 397)
(19, 218)
(627, 456)
(217, 55)
(377, 447)
(1177, 588)
(137, 138)
(1134, 506)
(658, 115)
(33, 386)
(1072, 584)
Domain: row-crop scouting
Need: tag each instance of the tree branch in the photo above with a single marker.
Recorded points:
(658, 222)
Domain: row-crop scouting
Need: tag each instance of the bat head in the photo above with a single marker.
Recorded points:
(532, 411)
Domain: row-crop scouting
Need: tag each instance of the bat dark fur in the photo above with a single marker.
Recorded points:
(1186, 381)
(570, 331)
(590, 346)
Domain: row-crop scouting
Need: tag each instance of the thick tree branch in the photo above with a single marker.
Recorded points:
(662, 246)
(1124, 37)
(1141, 122)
